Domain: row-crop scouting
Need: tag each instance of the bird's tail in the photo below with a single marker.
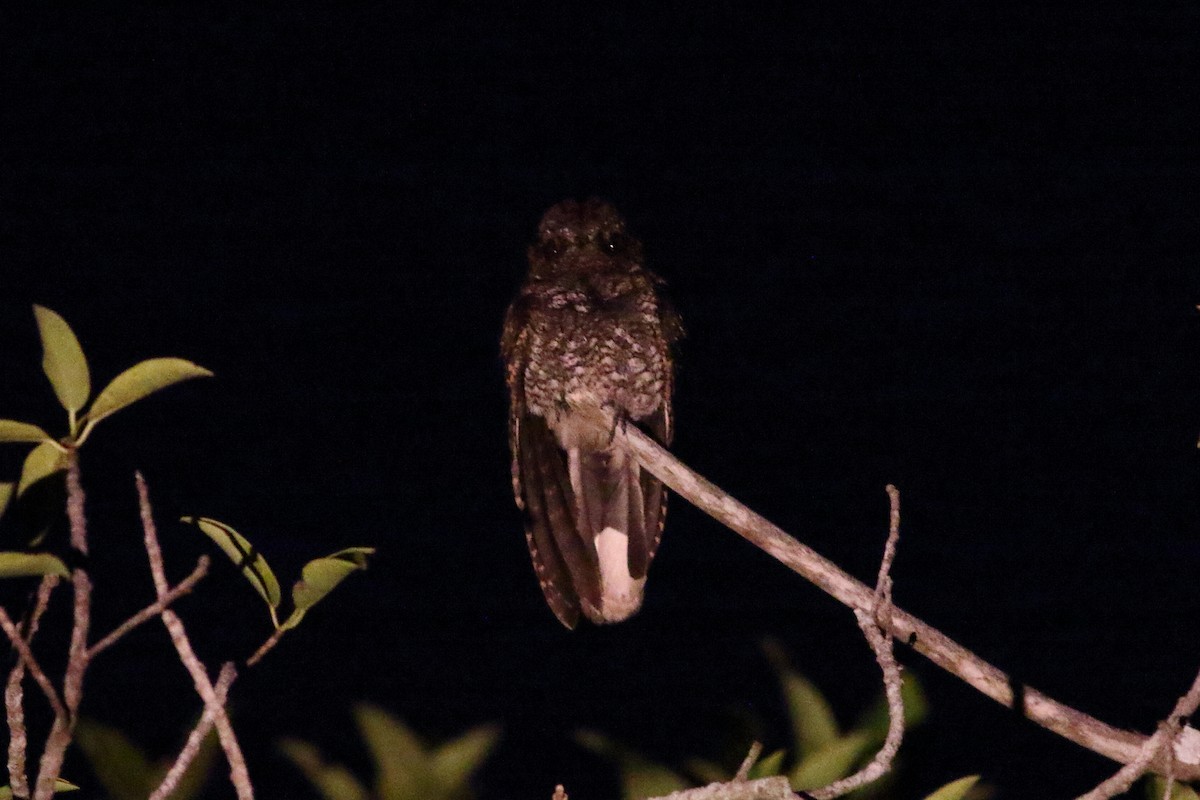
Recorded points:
(610, 514)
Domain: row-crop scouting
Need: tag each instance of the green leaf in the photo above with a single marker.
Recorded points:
(955, 790)
(140, 380)
(768, 766)
(42, 461)
(403, 769)
(455, 761)
(242, 553)
(640, 777)
(6, 494)
(63, 360)
(293, 619)
(321, 575)
(831, 762)
(23, 565)
(1156, 786)
(813, 723)
(120, 766)
(13, 431)
(59, 786)
(332, 781)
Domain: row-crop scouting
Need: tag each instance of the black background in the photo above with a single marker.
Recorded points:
(947, 247)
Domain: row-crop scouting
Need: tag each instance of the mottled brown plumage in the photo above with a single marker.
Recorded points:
(586, 346)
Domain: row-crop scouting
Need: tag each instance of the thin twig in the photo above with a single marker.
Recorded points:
(77, 657)
(14, 695)
(1160, 744)
(1119, 745)
(30, 661)
(748, 762)
(238, 774)
(883, 583)
(869, 623)
(266, 647)
(154, 609)
(192, 747)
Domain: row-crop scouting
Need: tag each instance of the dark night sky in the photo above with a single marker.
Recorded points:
(952, 248)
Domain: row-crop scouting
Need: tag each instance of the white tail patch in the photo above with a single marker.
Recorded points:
(620, 594)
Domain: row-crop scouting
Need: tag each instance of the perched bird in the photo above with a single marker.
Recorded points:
(587, 346)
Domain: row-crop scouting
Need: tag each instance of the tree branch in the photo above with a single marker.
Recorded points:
(192, 747)
(213, 704)
(748, 762)
(154, 609)
(14, 695)
(266, 646)
(893, 683)
(77, 656)
(1163, 741)
(1114, 743)
(31, 664)
(774, 788)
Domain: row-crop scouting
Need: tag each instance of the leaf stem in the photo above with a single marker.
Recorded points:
(83, 435)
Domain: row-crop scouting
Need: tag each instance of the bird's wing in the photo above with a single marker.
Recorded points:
(566, 566)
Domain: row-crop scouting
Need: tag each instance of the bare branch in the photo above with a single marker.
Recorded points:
(192, 747)
(883, 584)
(150, 539)
(77, 655)
(1163, 742)
(154, 609)
(893, 683)
(17, 735)
(30, 661)
(45, 589)
(14, 695)
(773, 788)
(213, 704)
(749, 761)
(1119, 745)
(266, 647)
(238, 774)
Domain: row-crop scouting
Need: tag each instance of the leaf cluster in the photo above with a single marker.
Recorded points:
(820, 752)
(66, 367)
(126, 772)
(406, 768)
(317, 579)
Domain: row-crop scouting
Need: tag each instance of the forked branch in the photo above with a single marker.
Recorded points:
(214, 699)
(1119, 745)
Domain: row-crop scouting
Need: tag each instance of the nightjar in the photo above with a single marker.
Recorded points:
(587, 346)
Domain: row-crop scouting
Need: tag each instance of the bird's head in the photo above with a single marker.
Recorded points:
(580, 238)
